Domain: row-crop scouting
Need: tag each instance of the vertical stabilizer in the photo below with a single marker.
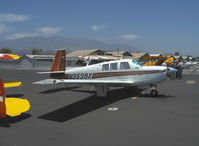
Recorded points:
(59, 62)
(2, 100)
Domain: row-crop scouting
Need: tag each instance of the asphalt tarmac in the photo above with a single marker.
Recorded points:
(72, 116)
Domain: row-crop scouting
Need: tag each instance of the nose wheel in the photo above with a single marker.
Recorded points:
(154, 93)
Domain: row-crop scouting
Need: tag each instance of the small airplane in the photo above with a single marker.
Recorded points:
(10, 106)
(189, 64)
(157, 60)
(9, 56)
(120, 73)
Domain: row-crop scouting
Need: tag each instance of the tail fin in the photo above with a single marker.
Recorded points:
(59, 62)
(2, 100)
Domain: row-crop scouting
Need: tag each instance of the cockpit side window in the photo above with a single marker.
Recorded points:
(113, 66)
(124, 65)
(105, 67)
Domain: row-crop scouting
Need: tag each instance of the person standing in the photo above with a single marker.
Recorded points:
(181, 67)
(173, 65)
(177, 66)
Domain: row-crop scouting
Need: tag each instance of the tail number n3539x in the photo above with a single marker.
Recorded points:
(81, 76)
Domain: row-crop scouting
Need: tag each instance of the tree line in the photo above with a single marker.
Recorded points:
(34, 51)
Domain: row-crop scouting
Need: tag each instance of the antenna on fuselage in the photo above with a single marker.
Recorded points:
(121, 57)
(88, 61)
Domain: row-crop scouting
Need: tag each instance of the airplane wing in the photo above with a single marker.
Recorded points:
(96, 81)
(71, 81)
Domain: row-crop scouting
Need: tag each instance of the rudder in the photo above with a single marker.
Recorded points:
(59, 62)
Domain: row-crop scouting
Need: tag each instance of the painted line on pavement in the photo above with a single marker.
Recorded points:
(190, 82)
(134, 97)
(113, 109)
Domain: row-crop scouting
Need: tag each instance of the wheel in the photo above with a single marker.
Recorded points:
(154, 93)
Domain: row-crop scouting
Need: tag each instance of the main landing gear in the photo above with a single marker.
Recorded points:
(154, 93)
(101, 90)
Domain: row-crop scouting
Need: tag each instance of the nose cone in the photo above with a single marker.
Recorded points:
(171, 69)
(156, 68)
(162, 68)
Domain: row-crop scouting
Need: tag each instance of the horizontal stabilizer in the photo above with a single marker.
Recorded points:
(52, 72)
(47, 81)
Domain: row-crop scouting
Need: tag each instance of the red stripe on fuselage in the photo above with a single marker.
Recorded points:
(113, 74)
(107, 74)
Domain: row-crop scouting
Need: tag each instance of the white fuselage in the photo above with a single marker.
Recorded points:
(120, 70)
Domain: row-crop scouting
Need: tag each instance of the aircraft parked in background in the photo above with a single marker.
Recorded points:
(119, 73)
(157, 60)
(9, 56)
(190, 64)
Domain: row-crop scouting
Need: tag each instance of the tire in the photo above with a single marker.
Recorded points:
(154, 93)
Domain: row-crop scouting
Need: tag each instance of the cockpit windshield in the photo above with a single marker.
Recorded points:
(137, 64)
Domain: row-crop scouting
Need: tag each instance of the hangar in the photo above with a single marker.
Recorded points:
(28, 61)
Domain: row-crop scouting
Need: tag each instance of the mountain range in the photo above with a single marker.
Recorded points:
(49, 44)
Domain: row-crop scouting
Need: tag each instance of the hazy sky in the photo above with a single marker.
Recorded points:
(157, 25)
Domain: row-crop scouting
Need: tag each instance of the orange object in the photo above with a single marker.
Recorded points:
(9, 56)
(59, 63)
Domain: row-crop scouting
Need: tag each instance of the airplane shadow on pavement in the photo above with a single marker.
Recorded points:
(6, 122)
(88, 105)
(160, 96)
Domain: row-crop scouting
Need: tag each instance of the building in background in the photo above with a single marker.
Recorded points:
(121, 54)
(140, 55)
(28, 61)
